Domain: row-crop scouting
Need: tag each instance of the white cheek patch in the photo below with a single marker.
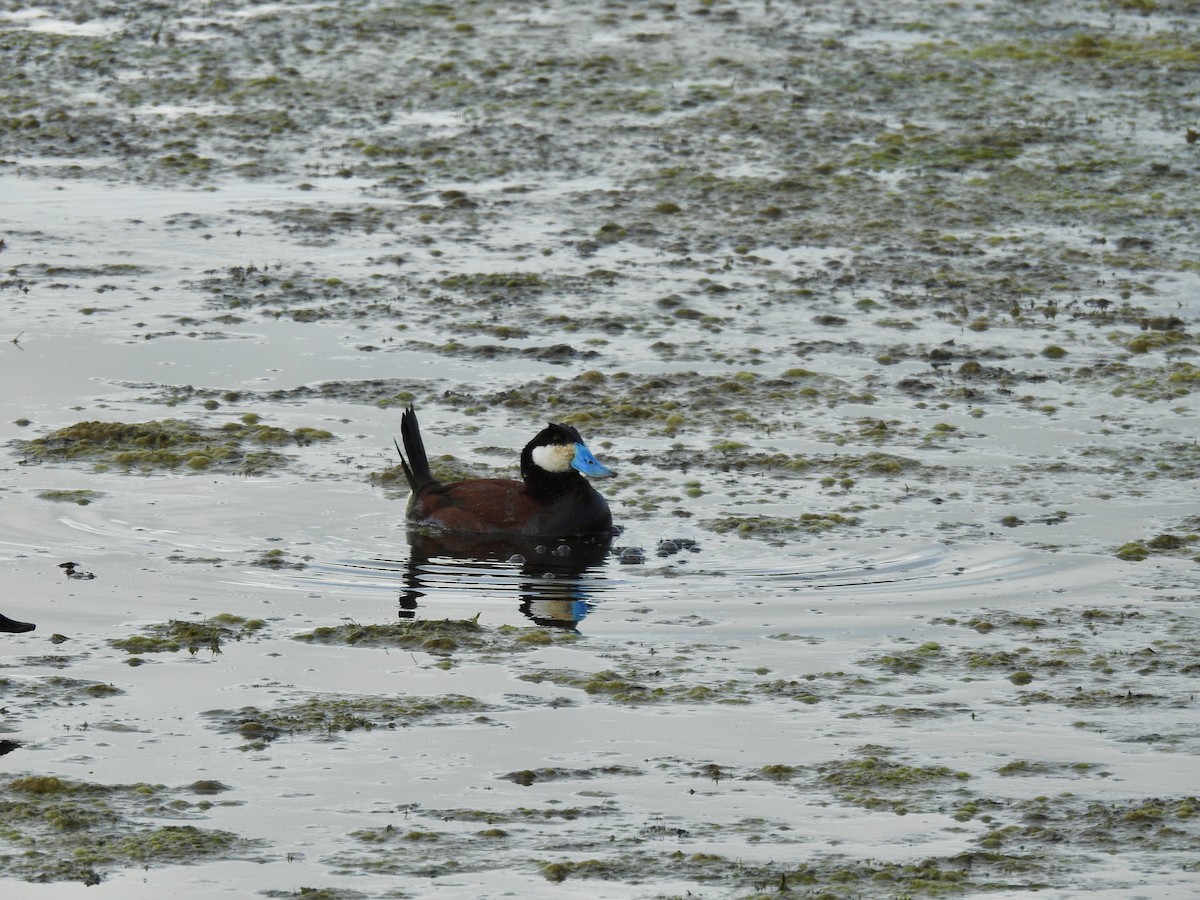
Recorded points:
(554, 457)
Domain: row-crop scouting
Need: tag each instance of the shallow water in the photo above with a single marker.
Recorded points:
(885, 319)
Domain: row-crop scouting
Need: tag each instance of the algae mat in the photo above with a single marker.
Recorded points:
(885, 313)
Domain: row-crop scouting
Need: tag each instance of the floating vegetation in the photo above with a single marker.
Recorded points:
(80, 497)
(527, 777)
(632, 685)
(1163, 544)
(670, 402)
(277, 559)
(440, 637)
(908, 662)
(245, 447)
(56, 689)
(873, 781)
(206, 634)
(327, 716)
(299, 294)
(775, 528)
(504, 281)
(67, 830)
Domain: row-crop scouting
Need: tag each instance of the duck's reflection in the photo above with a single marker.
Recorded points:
(555, 579)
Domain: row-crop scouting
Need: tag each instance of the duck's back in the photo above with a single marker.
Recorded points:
(502, 506)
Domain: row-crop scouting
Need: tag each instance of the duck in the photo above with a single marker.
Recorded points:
(553, 499)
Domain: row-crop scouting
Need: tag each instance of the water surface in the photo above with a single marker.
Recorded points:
(885, 316)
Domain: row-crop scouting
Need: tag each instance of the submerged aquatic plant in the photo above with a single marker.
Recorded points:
(68, 830)
(170, 444)
(327, 715)
(206, 634)
(441, 637)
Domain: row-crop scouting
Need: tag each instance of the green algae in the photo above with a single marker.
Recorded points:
(1086, 54)
(1051, 662)
(55, 690)
(627, 687)
(443, 637)
(872, 780)
(663, 681)
(909, 662)
(1133, 551)
(629, 855)
(170, 444)
(206, 634)
(300, 294)
(65, 830)
(80, 497)
(1165, 544)
(624, 400)
(526, 777)
(1021, 843)
(328, 716)
(437, 636)
(276, 558)
(831, 879)
(1156, 824)
(632, 685)
(776, 527)
(779, 772)
(504, 281)
(176, 844)
(1144, 343)
(311, 893)
(1039, 768)
(1170, 459)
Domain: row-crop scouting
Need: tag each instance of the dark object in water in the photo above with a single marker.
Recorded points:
(12, 626)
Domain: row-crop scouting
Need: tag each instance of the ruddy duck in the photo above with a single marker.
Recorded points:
(553, 499)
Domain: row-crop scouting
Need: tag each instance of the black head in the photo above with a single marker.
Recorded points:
(560, 450)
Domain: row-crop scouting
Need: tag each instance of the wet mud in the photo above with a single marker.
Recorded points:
(885, 313)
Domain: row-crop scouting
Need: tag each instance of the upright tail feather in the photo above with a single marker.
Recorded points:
(416, 467)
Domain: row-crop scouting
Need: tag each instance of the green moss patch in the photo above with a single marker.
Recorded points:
(908, 662)
(873, 781)
(81, 497)
(1163, 544)
(667, 402)
(629, 685)
(1058, 658)
(776, 527)
(527, 777)
(55, 689)
(67, 830)
(276, 558)
(207, 634)
(327, 716)
(442, 637)
(246, 447)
